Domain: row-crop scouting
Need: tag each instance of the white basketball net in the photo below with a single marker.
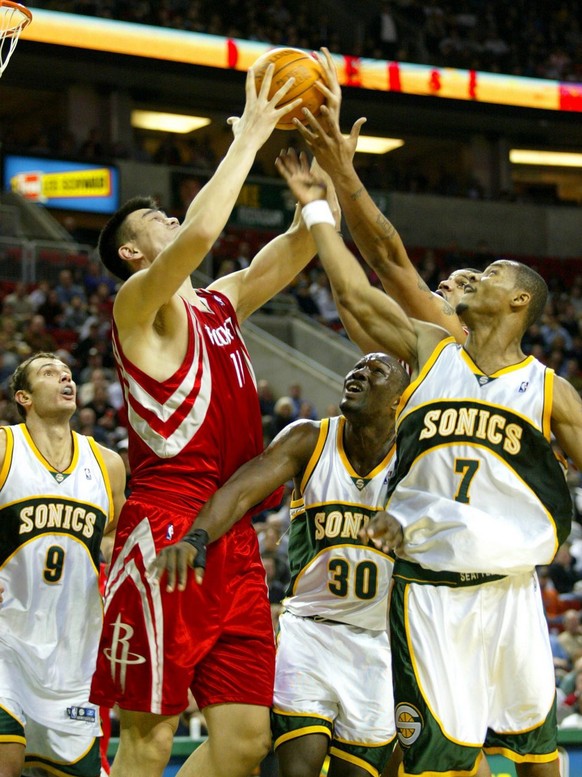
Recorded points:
(12, 21)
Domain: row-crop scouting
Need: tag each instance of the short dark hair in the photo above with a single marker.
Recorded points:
(19, 379)
(116, 232)
(531, 281)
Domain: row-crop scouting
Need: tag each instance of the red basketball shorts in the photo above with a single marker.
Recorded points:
(216, 638)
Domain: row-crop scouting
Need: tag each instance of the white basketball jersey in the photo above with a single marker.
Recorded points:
(477, 486)
(51, 525)
(333, 574)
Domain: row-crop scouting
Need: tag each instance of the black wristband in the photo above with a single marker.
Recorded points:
(199, 539)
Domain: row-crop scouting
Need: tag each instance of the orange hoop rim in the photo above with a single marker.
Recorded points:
(26, 12)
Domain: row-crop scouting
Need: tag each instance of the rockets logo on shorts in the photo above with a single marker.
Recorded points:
(120, 653)
(408, 724)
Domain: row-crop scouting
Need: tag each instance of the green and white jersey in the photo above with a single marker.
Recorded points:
(477, 487)
(333, 574)
(51, 525)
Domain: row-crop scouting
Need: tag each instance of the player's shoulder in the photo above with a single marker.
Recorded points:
(4, 432)
(111, 458)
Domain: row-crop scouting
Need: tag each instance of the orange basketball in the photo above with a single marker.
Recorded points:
(305, 69)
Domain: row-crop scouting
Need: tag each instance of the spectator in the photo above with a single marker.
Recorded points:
(67, 288)
(52, 310)
(562, 571)
(37, 337)
(75, 313)
(283, 415)
(266, 397)
(303, 408)
(571, 638)
(20, 303)
(321, 294)
(38, 295)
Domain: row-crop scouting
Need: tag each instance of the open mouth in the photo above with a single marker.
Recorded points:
(354, 387)
(68, 391)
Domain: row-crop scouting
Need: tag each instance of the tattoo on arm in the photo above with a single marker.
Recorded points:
(385, 226)
(447, 309)
(422, 286)
(357, 194)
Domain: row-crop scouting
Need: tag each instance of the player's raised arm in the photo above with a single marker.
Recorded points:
(145, 292)
(376, 237)
(284, 459)
(382, 319)
(276, 264)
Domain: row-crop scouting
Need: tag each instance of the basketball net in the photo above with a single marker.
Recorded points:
(13, 19)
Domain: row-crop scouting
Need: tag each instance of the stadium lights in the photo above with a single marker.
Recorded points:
(522, 156)
(167, 122)
(370, 144)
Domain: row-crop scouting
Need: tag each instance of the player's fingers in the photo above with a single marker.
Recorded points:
(313, 124)
(282, 91)
(358, 124)
(307, 135)
(325, 91)
(170, 568)
(265, 83)
(184, 561)
(282, 166)
(199, 574)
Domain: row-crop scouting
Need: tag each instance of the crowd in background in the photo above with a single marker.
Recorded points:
(542, 40)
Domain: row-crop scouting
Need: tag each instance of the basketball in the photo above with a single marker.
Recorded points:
(305, 69)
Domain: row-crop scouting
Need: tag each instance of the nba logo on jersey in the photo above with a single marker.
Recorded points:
(523, 387)
(88, 475)
(170, 532)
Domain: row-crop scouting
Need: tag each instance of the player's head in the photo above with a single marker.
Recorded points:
(506, 287)
(44, 378)
(451, 289)
(373, 386)
(138, 229)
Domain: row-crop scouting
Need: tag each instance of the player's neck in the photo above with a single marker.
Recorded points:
(493, 349)
(366, 446)
(54, 441)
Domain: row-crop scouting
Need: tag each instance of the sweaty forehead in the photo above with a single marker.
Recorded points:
(369, 358)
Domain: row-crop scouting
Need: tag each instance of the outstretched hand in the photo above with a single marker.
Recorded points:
(384, 530)
(301, 180)
(261, 113)
(323, 136)
(333, 151)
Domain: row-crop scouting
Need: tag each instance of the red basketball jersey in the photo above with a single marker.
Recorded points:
(191, 432)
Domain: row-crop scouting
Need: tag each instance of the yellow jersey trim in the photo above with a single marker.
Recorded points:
(426, 368)
(311, 464)
(102, 466)
(7, 463)
(46, 464)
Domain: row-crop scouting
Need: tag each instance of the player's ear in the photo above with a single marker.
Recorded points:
(129, 252)
(22, 398)
(521, 299)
